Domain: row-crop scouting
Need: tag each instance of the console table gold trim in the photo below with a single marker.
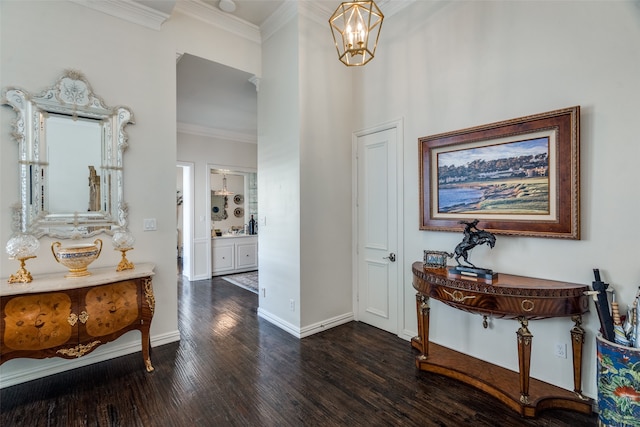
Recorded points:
(511, 297)
(54, 316)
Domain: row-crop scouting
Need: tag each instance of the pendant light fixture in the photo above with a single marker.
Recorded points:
(355, 26)
(224, 191)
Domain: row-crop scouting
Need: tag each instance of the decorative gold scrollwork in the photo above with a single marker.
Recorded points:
(458, 296)
(148, 293)
(527, 305)
(524, 335)
(79, 350)
(72, 319)
(84, 316)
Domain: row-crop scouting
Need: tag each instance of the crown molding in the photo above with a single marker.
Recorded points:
(287, 11)
(216, 133)
(390, 8)
(128, 10)
(319, 12)
(212, 16)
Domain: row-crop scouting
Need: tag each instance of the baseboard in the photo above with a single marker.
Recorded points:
(307, 330)
(282, 324)
(326, 324)
(56, 365)
(407, 335)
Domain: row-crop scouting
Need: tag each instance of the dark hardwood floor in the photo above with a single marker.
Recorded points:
(232, 368)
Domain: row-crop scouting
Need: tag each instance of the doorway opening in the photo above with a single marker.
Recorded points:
(184, 218)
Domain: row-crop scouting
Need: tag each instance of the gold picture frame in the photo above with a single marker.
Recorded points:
(518, 177)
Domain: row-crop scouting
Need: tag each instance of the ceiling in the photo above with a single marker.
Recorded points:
(213, 99)
(252, 11)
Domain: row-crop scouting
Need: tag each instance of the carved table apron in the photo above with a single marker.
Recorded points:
(54, 316)
(511, 297)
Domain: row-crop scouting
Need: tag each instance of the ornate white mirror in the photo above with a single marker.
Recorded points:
(70, 154)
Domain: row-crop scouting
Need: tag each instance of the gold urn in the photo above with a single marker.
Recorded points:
(77, 257)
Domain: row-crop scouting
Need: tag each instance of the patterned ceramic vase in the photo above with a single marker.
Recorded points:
(618, 384)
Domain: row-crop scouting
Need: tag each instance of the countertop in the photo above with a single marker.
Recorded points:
(234, 236)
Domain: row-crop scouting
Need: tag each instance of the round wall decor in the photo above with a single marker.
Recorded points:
(238, 212)
(238, 199)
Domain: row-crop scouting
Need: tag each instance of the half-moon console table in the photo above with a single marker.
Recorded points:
(510, 297)
(54, 316)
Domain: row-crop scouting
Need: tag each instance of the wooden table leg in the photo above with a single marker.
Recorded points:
(524, 358)
(416, 342)
(577, 342)
(423, 321)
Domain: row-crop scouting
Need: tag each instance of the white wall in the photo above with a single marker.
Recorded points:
(33, 60)
(204, 151)
(449, 66)
(325, 179)
(304, 170)
(133, 66)
(279, 178)
(441, 66)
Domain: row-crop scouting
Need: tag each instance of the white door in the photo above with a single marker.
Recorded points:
(377, 228)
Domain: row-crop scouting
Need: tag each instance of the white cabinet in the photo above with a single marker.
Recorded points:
(222, 253)
(246, 254)
(234, 254)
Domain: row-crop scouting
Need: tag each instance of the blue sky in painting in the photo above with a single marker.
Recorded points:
(493, 152)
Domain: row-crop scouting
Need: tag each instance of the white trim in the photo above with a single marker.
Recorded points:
(282, 324)
(406, 334)
(231, 169)
(326, 324)
(398, 125)
(148, 17)
(390, 8)
(307, 330)
(111, 352)
(129, 11)
(227, 135)
(212, 16)
(200, 243)
(188, 215)
(287, 11)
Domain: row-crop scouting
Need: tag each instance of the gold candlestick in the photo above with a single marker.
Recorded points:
(22, 275)
(125, 264)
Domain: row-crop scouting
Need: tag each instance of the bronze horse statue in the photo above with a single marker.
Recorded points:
(471, 240)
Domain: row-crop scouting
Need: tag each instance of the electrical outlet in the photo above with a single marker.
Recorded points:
(264, 292)
(292, 305)
(560, 350)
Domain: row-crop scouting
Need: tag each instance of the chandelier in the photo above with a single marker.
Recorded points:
(355, 26)
(224, 191)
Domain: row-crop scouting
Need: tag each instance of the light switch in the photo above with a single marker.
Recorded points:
(149, 224)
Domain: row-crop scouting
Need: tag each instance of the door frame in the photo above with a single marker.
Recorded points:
(398, 125)
(235, 170)
(188, 179)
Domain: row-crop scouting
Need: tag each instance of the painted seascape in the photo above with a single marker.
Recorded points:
(511, 178)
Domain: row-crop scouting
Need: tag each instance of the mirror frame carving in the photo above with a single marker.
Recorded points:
(72, 96)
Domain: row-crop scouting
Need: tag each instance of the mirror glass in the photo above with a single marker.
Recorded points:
(69, 160)
(231, 213)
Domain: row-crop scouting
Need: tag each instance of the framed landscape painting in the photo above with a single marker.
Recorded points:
(518, 177)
